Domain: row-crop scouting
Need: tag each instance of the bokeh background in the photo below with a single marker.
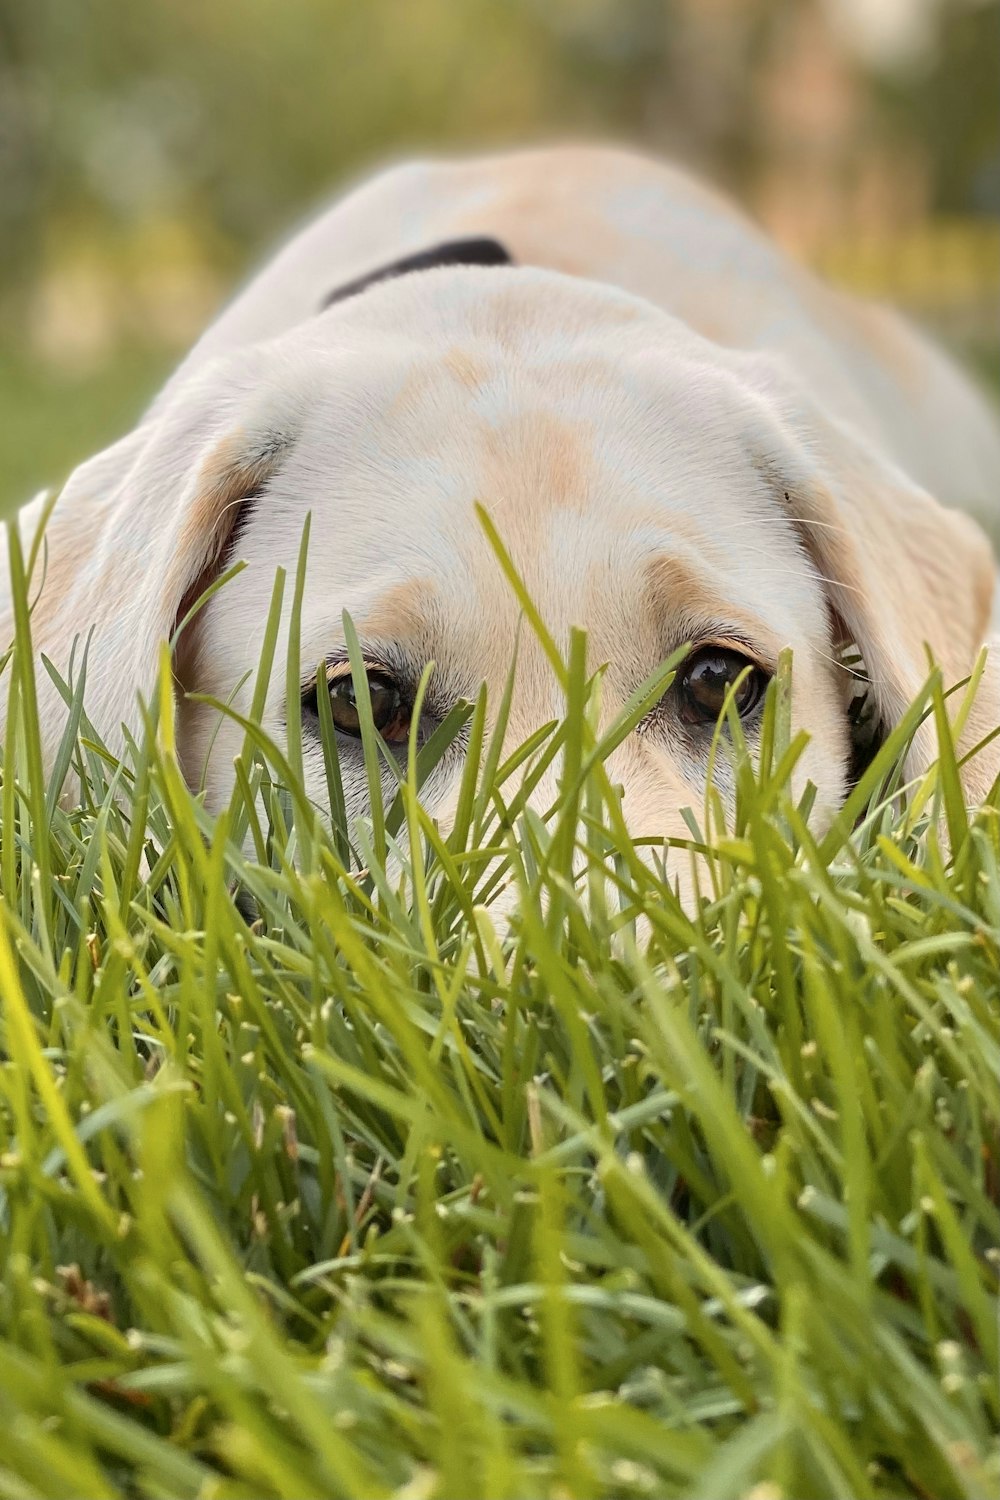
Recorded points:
(151, 150)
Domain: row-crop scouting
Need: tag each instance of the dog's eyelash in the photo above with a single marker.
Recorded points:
(383, 661)
(338, 668)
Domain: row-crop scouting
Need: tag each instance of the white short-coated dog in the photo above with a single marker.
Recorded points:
(680, 435)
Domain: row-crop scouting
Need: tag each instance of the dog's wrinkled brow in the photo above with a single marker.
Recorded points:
(478, 251)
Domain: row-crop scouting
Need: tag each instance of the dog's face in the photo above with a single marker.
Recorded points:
(649, 487)
(616, 458)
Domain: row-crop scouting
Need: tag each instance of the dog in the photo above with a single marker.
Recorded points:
(681, 436)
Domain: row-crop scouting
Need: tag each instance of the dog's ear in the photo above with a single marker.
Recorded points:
(139, 532)
(902, 574)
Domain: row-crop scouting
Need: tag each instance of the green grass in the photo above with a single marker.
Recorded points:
(318, 1180)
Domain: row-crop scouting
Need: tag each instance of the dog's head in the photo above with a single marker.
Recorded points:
(649, 486)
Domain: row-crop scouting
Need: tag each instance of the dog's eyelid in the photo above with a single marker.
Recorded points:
(732, 641)
(338, 668)
(336, 671)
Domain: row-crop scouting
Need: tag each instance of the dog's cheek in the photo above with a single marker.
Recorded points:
(819, 708)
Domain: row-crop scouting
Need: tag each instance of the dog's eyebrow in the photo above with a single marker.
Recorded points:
(679, 591)
(477, 251)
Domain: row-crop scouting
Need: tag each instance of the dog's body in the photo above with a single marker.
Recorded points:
(679, 434)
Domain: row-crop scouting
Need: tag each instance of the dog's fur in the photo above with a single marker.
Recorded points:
(680, 435)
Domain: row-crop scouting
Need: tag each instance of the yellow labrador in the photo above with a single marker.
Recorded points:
(680, 435)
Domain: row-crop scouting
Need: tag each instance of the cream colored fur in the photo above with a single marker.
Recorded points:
(679, 434)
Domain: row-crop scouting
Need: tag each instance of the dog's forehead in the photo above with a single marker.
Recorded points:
(526, 402)
(530, 395)
(599, 435)
(508, 304)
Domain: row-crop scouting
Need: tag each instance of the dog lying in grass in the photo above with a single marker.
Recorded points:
(680, 436)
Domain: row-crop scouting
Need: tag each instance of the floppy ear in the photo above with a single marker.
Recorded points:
(901, 574)
(138, 533)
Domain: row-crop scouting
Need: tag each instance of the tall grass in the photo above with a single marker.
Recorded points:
(318, 1179)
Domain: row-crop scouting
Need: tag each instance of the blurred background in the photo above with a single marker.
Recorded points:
(152, 150)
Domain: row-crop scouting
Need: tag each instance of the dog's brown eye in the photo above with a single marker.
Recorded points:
(391, 714)
(705, 679)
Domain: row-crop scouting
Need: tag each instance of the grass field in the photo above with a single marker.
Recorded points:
(319, 1181)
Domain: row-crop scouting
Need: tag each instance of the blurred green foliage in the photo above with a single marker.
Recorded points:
(237, 112)
(151, 149)
(52, 418)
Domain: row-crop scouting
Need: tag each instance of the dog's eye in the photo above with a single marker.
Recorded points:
(705, 678)
(390, 711)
